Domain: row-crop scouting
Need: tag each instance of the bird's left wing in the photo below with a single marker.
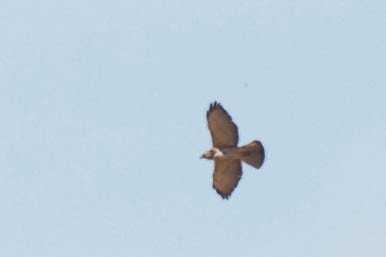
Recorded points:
(226, 176)
(222, 129)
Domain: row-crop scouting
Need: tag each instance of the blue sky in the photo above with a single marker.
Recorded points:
(103, 108)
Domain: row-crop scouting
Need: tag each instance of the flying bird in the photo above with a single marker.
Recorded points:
(226, 154)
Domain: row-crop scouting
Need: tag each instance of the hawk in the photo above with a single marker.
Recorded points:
(226, 154)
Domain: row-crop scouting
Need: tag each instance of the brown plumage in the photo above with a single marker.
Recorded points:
(225, 153)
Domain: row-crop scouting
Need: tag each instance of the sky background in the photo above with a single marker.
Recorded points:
(103, 121)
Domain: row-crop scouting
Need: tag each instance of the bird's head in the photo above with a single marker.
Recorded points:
(211, 154)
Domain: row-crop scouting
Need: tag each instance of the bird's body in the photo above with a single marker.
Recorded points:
(251, 154)
(225, 152)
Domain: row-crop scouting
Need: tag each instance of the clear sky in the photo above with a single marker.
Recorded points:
(103, 107)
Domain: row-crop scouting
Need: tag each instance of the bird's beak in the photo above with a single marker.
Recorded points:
(202, 156)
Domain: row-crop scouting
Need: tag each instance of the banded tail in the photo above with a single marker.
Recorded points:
(253, 154)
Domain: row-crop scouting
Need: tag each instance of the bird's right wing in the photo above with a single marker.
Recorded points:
(226, 176)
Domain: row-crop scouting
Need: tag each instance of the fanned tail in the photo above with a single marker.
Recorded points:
(253, 154)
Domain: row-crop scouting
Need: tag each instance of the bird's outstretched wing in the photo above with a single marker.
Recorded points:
(226, 176)
(222, 129)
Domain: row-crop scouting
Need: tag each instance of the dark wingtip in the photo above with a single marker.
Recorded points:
(223, 196)
(212, 106)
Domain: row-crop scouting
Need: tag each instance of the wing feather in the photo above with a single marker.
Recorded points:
(223, 130)
(226, 176)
